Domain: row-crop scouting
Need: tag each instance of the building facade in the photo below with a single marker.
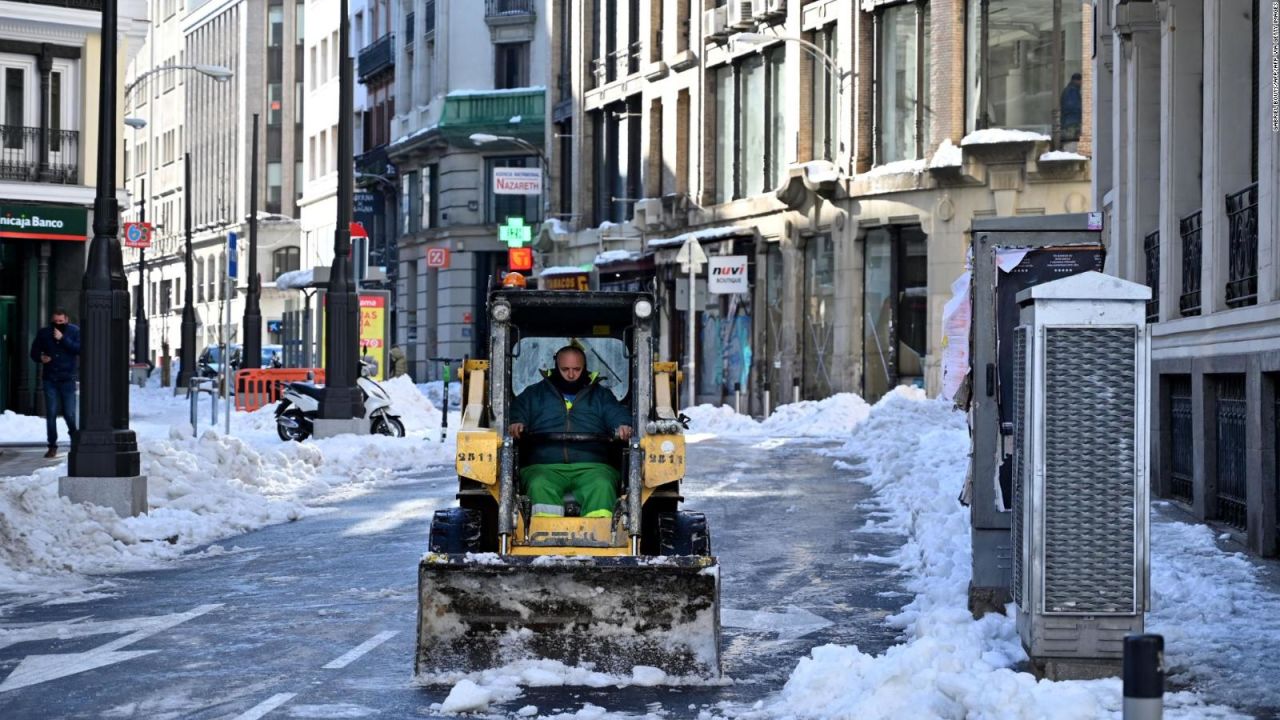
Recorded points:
(260, 43)
(1190, 185)
(466, 69)
(842, 148)
(50, 58)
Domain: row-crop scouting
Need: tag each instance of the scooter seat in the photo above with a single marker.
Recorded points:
(307, 389)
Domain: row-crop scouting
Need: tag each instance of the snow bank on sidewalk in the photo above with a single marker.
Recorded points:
(950, 666)
(835, 416)
(200, 490)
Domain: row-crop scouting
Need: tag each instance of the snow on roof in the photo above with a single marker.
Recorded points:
(703, 234)
(506, 91)
(899, 167)
(561, 270)
(991, 136)
(613, 256)
(948, 155)
(1061, 156)
(296, 279)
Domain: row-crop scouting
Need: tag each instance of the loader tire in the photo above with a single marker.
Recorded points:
(455, 530)
(683, 533)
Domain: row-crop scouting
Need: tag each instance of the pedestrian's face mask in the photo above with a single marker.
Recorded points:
(60, 323)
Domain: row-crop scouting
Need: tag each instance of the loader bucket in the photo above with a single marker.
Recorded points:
(479, 611)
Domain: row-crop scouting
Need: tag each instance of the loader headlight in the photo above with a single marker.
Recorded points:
(644, 309)
(501, 312)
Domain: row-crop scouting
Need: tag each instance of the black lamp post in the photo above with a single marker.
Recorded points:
(187, 358)
(252, 355)
(141, 329)
(342, 315)
(105, 447)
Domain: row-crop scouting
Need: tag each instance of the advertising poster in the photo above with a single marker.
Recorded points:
(373, 331)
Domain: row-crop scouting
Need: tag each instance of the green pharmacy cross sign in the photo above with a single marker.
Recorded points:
(515, 233)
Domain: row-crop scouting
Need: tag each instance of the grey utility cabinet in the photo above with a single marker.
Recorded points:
(1009, 255)
(1081, 489)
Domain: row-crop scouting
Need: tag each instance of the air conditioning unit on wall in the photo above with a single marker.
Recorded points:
(714, 25)
(768, 9)
(740, 14)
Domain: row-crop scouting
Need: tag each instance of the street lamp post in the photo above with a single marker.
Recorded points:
(187, 358)
(484, 138)
(341, 406)
(103, 465)
(251, 357)
(753, 38)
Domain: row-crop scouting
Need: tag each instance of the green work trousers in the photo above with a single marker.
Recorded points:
(594, 486)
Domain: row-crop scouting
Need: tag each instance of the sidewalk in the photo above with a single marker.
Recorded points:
(18, 459)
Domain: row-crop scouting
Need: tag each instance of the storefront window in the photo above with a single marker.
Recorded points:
(895, 295)
(819, 316)
(1023, 56)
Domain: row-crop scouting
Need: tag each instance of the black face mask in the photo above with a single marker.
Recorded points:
(62, 327)
(571, 388)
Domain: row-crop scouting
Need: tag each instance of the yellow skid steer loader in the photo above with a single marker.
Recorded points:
(501, 583)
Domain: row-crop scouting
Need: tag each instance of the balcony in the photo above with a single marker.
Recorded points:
(1189, 229)
(1242, 247)
(373, 162)
(510, 12)
(1151, 247)
(519, 112)
(30, 154)
(378, 58)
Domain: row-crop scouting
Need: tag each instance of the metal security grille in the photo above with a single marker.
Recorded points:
(1181, 439)
(1151, 247)
(1090, 400)
(1019, 453)
(1229, 506)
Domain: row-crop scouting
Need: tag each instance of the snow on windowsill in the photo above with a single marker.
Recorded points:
(948, 155)
(1062, 156)
(898, 167)
(994, 136)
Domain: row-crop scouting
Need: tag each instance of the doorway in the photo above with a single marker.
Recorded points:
(895, 306)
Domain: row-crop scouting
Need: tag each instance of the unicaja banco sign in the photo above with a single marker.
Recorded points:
(43, 222)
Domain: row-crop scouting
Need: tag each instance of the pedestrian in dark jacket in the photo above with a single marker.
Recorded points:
(569, 400)
(57, 350)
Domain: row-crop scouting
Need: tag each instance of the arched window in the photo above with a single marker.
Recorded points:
(199, 279)
(284, 260)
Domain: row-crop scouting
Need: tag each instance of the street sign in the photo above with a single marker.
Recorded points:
(515, 233)
(438, 257)
(231, 255)
(520, 258)
(137, 235)
(728, 274)
(691, 254)
(357, 230)
(517, 181)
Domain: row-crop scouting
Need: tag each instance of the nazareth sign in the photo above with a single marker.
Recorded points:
(517, 181)
(43, 222)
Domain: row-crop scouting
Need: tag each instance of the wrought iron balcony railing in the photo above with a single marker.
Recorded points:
(1151, 246)
(1189, 229)
(1242, 247)
(32, 154)
(522, 10)
(378, 57)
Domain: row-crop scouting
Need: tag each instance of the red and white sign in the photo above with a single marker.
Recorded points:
(517, 181)
(357, 230)
(727, 274)
(438, 257)
(137, 235)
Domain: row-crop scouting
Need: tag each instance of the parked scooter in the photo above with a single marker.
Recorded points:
(300, 404)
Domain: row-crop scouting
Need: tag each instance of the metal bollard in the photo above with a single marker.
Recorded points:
(737, 398)
(795, 390)
(766, 400)
(1143, 677)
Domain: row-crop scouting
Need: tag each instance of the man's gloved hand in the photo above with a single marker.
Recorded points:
(624, 432)
(516, 429)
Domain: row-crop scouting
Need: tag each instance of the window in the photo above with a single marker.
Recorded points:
(1012, 78)
(408, 194)
(275, 184)
(510, 65)
(311, 157)
(502, 207)
(322, 69)
(825, 96)
(285, 260)
(750, 128)
(429, 182)
(14, 106)
(199, 279)
(211, 272)
(275, 26)
(299, 22)
(902, 82)
(274, 106)
(222, 274)
(166, 296)
(315, 69)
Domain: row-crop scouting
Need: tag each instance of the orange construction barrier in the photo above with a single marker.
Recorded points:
(256, 388)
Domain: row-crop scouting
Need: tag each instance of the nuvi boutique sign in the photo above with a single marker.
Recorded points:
(43, 222)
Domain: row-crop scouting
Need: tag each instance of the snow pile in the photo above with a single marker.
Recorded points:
(431, 391)
(948, 155)
(835, 416)
(20, 428)
(950, 664)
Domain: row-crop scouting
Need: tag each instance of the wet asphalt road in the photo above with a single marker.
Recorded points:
(315, 619)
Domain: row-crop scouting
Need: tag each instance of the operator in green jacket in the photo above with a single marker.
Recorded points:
(569, 400)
